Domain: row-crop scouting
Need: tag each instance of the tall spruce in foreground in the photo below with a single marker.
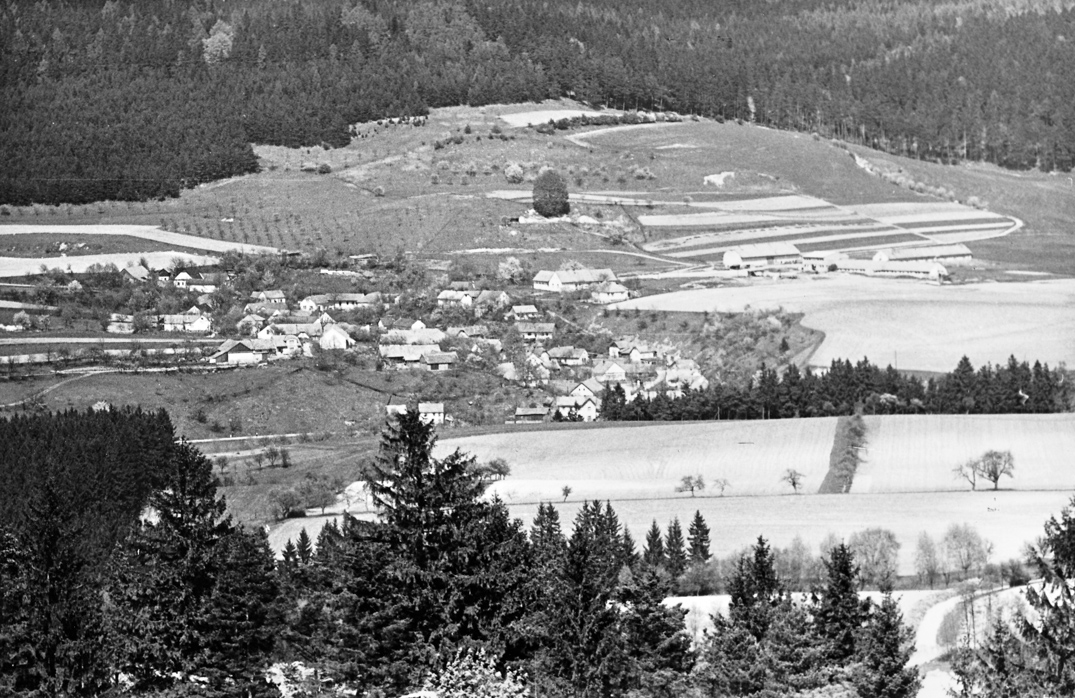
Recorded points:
(885, 650)
(675, 549)
(190, 593)
(699, 539)
(838, 614)
(653, 554)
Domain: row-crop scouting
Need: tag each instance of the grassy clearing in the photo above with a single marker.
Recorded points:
(913, 453)
(59, 246)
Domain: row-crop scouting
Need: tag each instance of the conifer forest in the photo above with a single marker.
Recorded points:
(137, 100)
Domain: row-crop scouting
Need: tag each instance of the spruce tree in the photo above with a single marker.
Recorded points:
(699, 540)
(304, 549)
(886, 648)
(653, 554)
(677, 556)
(839, 614)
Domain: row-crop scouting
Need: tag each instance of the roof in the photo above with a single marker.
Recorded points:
(567, 352)
(268, 294)
(138, 272)
(449, 295)
(426, 407)
(530, 411)
(524, 309)
(610, 287)
(590, 384)
(576, 276)
(535, 327)
(407, 352)
(766, 249)
(572, 401)
(446, 357)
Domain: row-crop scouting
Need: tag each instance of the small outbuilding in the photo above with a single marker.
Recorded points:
(766, 254)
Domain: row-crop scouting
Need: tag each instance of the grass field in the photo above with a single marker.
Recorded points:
(650, 460)
(910, 324)
(914, 453)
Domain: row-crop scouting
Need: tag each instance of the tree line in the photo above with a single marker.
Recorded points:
(862, 387)
(132, 101)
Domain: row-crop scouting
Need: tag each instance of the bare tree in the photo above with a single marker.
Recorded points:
(272, 454)
(690, 484)
(965, 549)
(968, 471)
(994, 465)
(259, 459)
(566, 491)
(794, 478)
(876, 552)
(927, 563)
(721, 484)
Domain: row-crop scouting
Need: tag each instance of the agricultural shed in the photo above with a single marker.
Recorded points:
(917, 270)
(431, 412)
(571, 279)
(525, 312)
(438, 361)
(335, 337)
(396, 406)
(529, 415)
(766, 254)
(406, 354)
(957, 252)
(609, 292)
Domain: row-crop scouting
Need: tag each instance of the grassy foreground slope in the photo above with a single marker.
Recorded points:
(917, 453)
(649, 460)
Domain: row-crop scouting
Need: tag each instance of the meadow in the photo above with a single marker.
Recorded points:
(649, 460)
(912, 325)
(917, 453)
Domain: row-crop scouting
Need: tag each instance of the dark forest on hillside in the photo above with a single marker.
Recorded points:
(122, 100)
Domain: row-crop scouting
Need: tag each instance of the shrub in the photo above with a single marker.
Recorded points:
(467, 129)
(434, 178)
(550, 195)
(378, 191)
(513, 173)
(324, 168)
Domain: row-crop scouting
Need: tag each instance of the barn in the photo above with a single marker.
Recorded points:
(766, 254)
(933, 253)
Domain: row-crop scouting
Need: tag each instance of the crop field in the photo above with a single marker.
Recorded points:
(916, 453)
(912, 325)
(1007, 519)
(650, 460)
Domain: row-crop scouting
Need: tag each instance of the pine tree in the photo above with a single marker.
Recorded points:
(839, 615)
(699, 539)
(653, 554)
(677, 556)
(755, 590)
(304, 549)
(887, 646)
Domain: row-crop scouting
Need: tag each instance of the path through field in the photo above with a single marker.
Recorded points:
(910, 324)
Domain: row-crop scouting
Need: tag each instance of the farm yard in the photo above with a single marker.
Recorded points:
(917, 453)
(910, 324)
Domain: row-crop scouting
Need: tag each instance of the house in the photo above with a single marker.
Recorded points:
(536, 331)
(529, 415)
(431, 412)
(468, 332)
(590, 387)
(299, 329)
(525, 312)
(488, 300)
(120, 324)
(609, 371)
(438, 361)
(162, 275)
(609, 292)
(387, 323)
(182, 279)
(335, 337)
(821, 260)
(275, 297)
(243, 352)
(584, 407)
(191, 324)
(406, 355)
(765, 254)
(933, 253)
(264, 309)
(569, 355)
(454, 299)
(566, 280)
(338, 301)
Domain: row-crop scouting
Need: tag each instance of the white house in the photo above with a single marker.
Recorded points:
(191, 324)
(932, 271)
(584, 407)
(454, 299)
(525, 312)
(431, 412)
(609, 292)
(536, 331)
(934, 253)
(335, 337)
(765, 254)
(610, 371)
(274, 297)
(571, 279)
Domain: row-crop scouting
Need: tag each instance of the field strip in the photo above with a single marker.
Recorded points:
(772, 203)
(956, 228)
(900, 240)
(755, 234)
(713, 218)
(805, 240)
(906, 208)
(146, 232)
(23, 266)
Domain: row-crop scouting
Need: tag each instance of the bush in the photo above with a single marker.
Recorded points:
(513, 173)
(324, 168)
(550, 195)
(378, 191)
